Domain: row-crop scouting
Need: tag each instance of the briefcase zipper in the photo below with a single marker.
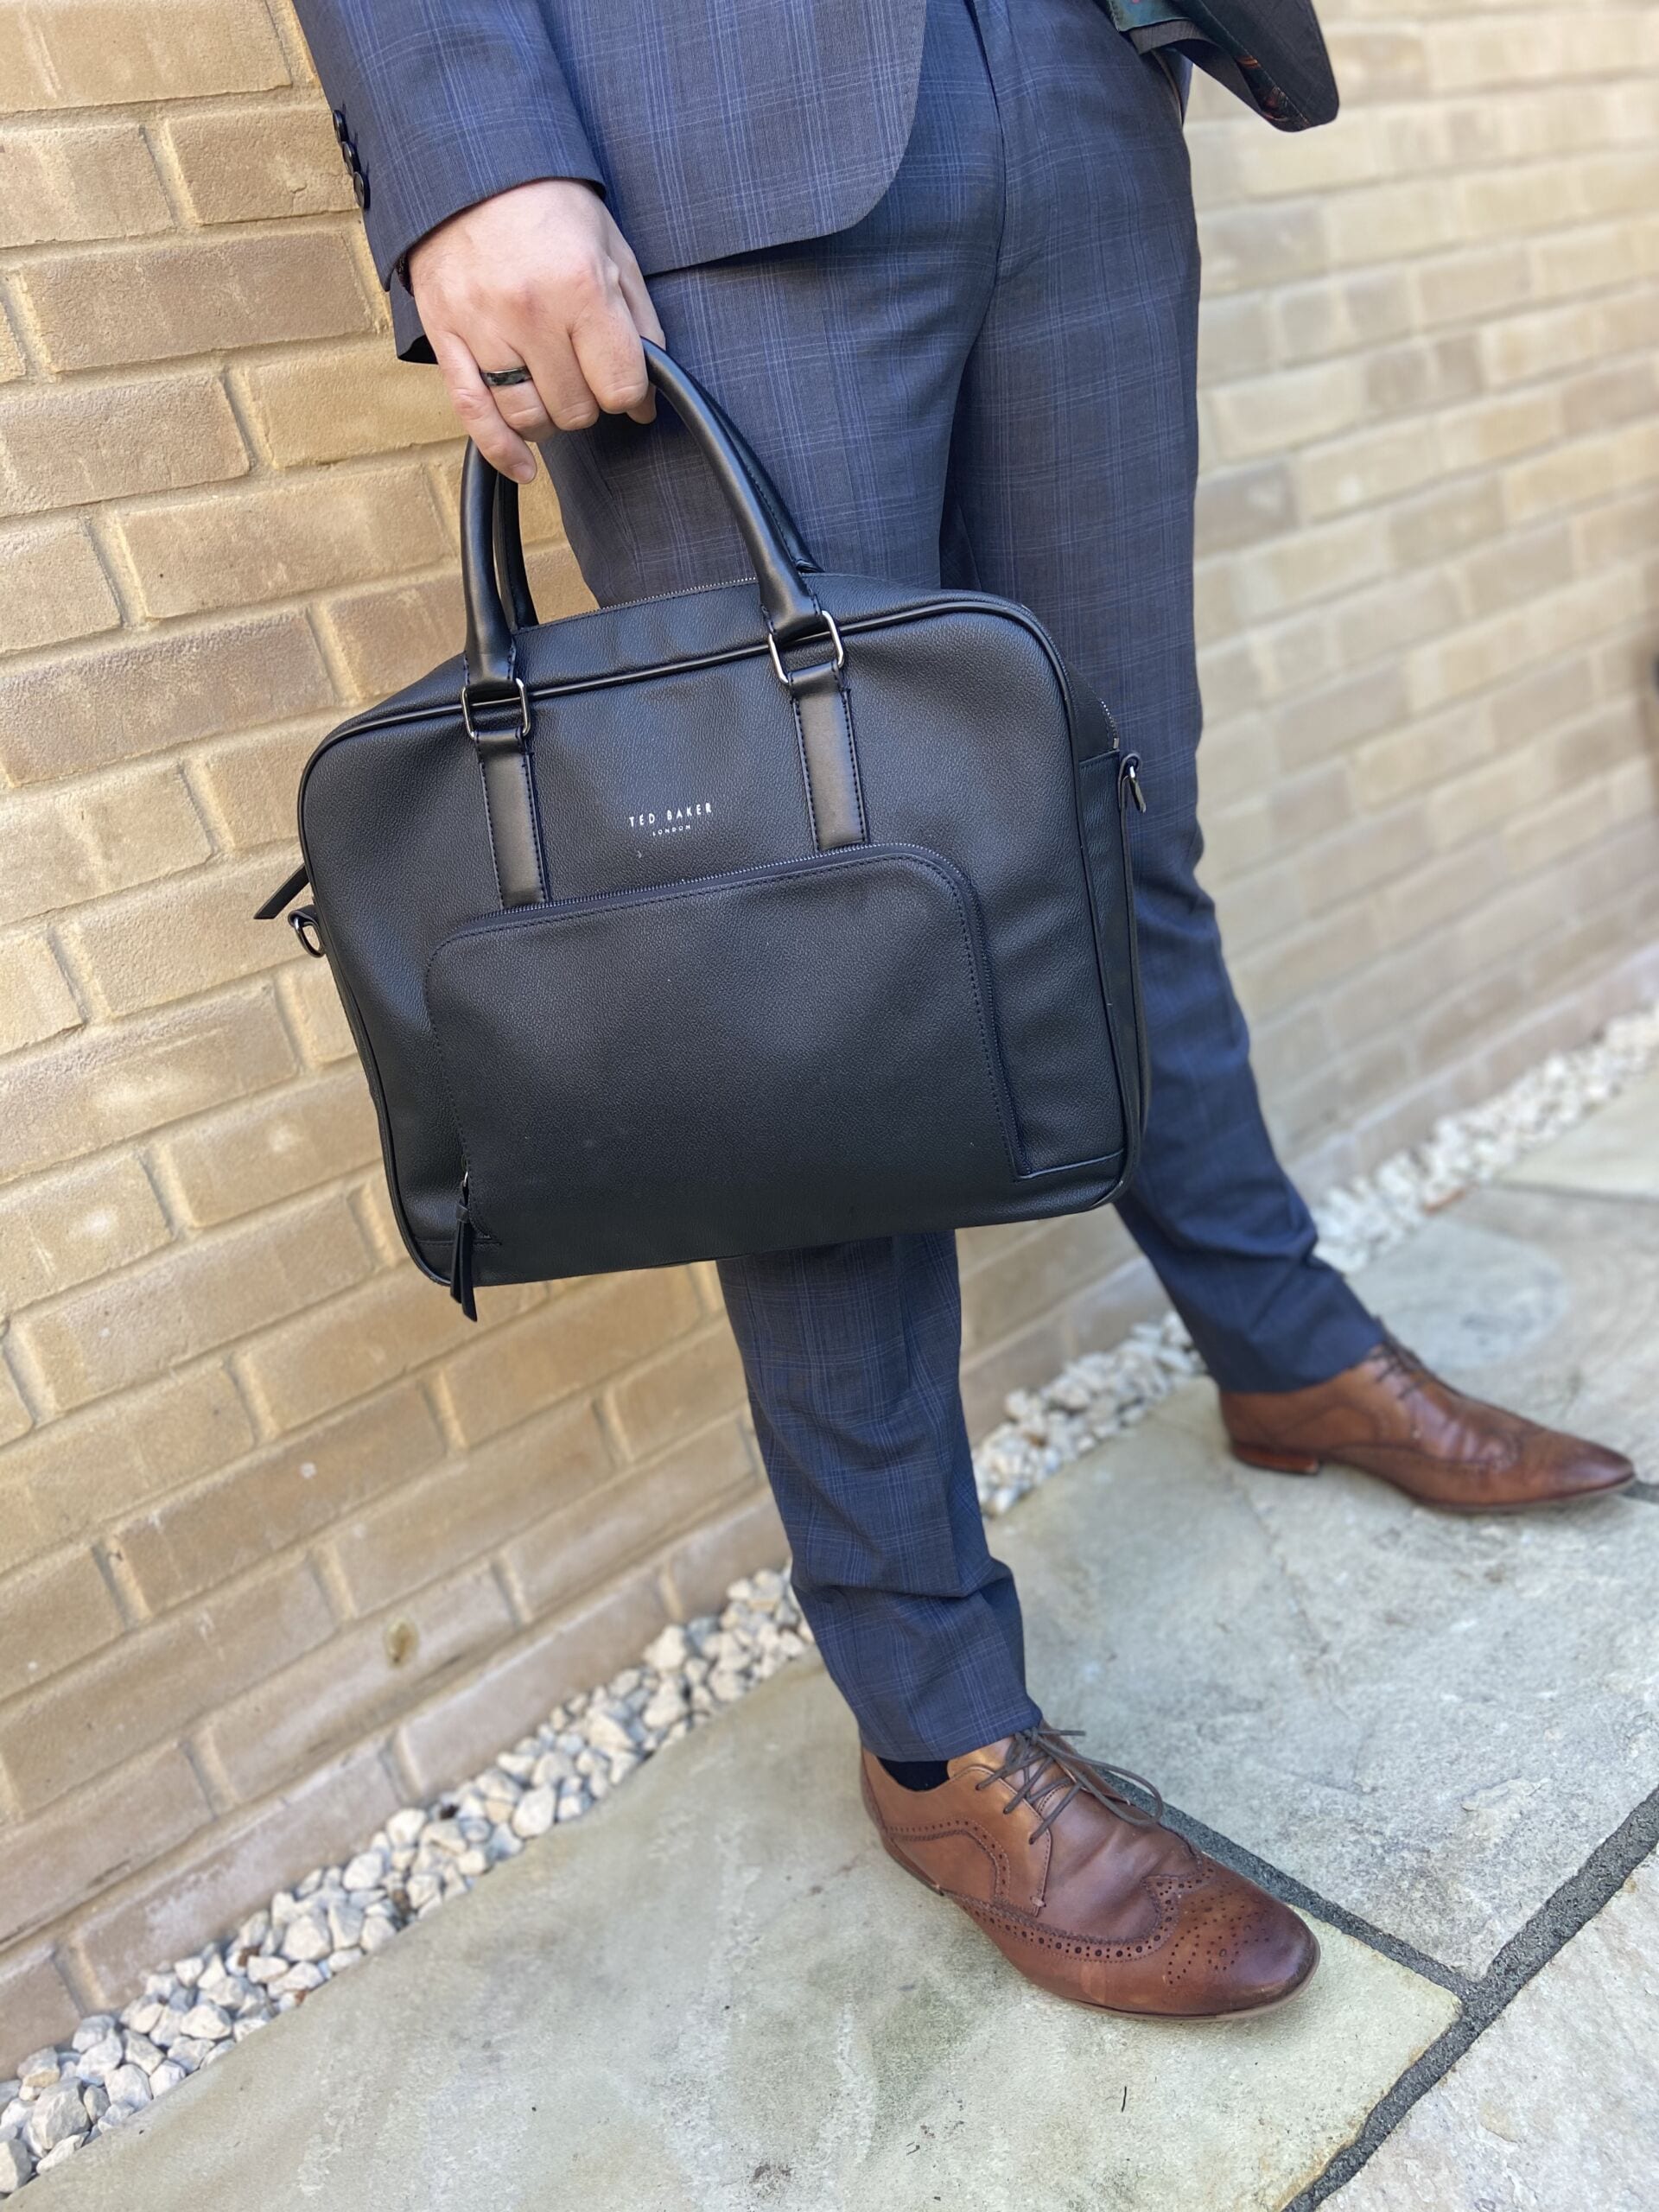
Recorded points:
(460, 1271)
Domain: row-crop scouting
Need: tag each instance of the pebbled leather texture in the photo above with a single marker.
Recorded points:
(710, 963)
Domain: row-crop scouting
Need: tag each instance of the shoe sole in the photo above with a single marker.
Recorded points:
(1118, 2011)
(1284, 1463)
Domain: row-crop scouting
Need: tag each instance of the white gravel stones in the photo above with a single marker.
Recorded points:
(194, 2011)
(535, 1812)
(58, 2114)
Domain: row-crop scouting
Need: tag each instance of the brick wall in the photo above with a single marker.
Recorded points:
(281, 1540)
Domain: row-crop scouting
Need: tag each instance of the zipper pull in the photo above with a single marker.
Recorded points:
(1129, 774)
(460, 1272)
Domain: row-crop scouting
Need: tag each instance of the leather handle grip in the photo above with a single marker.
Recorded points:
(491, 553)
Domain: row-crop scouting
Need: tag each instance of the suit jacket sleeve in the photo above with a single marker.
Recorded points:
(440, 104)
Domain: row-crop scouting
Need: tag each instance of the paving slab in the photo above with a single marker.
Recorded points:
(1555, 2105)
(1615, 1150)
(1429, 1719)
(716, 1993)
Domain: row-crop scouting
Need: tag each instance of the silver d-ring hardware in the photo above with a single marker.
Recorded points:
(523, 732)
(303, 923)
(783, 674)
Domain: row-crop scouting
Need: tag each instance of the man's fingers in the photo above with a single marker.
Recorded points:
(607, 346)
(633, 287)
(474, 405)
(521, 405)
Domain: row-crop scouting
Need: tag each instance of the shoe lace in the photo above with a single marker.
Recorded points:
(1053, 1774)
(1392, 1357)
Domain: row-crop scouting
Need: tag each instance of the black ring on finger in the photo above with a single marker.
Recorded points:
(497, 379)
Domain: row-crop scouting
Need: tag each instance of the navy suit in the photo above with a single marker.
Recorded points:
(952, 302)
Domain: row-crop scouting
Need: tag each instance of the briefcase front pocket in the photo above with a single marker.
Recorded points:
(795, 1054)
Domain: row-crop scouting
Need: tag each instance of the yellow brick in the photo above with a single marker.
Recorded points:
(561, 1558)
(337, 1352)
(1263, 414)
(35, 2004)
(227, 1872)
(61, 445)
(1568, 262)
(90, 53)
(1385, 222)
(428, 1529)
(86, 710)
(702, 1566)
(52, 587)
(86, 1843)
(56, 1234)
(1520, 202)
(1455, 515)
(275, 541)
(183, 1544)
(1400, 378)
(693, 1383)
(97, 182)
(199, 1296)
(245, 164)
(1368, 466)
(1455, 287)
(1377, 64)
(291, 1722)
(36, 1000)
(273, 1147)
(195, 296)
(385, 639)
(1270, 243)
(11, 359)
(322, 407)
(1492, 430)
(313, 1006)
(1315, 564)
(1587, 469)
(176, 939)
(1484, 651)
(52, 1614)
(516, 1690)
(249, 786)
(63, 847)
(1520, 565)
(16, 1419)
(1008, 1284)
(156, 1681)
(589, 1332)
(71, 1477)
(1341, 314)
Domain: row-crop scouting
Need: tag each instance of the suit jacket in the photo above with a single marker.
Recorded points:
(714, 127)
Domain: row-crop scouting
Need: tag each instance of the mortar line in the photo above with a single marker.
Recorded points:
(1545, 1936)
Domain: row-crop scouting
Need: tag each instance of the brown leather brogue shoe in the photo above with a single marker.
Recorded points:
(1390, 1416)
(1088, 1894)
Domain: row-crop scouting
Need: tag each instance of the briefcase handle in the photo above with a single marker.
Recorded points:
(491, 553)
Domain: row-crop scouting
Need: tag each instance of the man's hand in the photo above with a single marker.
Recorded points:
(541, 277)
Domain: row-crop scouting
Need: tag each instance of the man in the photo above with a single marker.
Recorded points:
(936, 259)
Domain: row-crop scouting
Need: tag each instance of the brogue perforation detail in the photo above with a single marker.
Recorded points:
(943, 1832)
(1064, 1942)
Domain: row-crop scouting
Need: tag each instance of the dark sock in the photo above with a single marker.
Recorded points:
(917, 1774)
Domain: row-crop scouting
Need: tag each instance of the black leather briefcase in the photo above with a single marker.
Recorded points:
(775, 913)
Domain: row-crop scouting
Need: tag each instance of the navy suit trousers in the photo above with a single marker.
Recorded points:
(989, 380)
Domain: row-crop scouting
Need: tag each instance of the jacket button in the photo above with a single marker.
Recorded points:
(360, 189)
(339, 125)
